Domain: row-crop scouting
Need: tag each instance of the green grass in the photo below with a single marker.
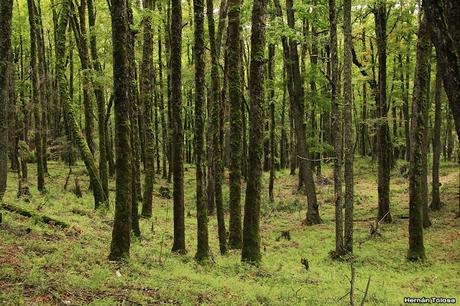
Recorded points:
(41, 264)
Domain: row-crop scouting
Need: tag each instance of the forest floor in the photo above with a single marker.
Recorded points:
(43, 264)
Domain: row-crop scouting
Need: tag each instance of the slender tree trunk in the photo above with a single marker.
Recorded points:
(336, 130)
(383, 138)
(216, 130)
(121, 234)
(435, 199)
(146, 95)
(133, 96)
(416, 248)
(164, 129)
(251, 232)
(202, 252)
(100, 100)
(300, 128)
(234, 92)
(425, 148)
(178, 132)
(271, 103)
(37, 94)
(98, 192)
(348, 127)
(6, 11)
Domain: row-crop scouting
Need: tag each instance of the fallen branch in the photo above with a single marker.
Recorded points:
(31, 214)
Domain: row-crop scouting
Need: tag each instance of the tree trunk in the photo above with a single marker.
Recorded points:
(146, 96)
(37, 94)
(202, 252)
(98, 192)
(6, 11)
(416, 248)
(121, 234)
(251, 232)
(178, 131)
(271, 103)
(444, 21)
(298, 110)
(383, 138)
(234, 92)
(216, 130)
(336, 130)
(100, 100)
(348, 126)
(435, 199)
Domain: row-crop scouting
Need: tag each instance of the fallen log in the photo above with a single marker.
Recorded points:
(31, 214)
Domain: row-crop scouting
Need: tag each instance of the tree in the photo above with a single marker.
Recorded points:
(271, 103)
(146, 96)
(443, 17)
(383, 132)
(435, 199)
(64, 95)
(178, 133)
(298, 111)
(419, 104)
(121, 233)
(37, 92)
(216, 127)
(202, 252)
(348, 126)
(234, 93)
(100, 100)
(336, 129)
(6, 11)
(251, 230)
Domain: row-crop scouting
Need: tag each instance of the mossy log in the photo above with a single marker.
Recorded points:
(31, 214)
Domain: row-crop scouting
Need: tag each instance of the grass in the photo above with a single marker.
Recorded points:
(45, 265)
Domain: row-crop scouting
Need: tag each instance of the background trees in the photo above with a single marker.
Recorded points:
(206, 98)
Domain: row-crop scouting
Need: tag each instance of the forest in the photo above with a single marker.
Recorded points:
(229, 152)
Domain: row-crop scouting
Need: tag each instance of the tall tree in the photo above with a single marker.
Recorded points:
(298, 112)
(202, 252)
(234, 94)
(435, 199)
(251, 232)
(100, 100)
(216, 127)
(336, 129)
(443, 17)
(121, 233)
(383, 131)
(146, 96)
(419, 104)
(178, 132)
(6, 11)
(348, 126)
(64, 95)
(271, 103)
(37, 92)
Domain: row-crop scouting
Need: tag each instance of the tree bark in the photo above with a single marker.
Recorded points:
(234, 92)
(6, 11)
(37, 94)
(216, 130)
(251, 232)
(202, 252)
(435, 199)
(298, 110)
(178, 132)
(383, 138)
(416, 248)
(444, 20)
(121, 234)
(146, 96)
(98, 192)
(348, 126)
